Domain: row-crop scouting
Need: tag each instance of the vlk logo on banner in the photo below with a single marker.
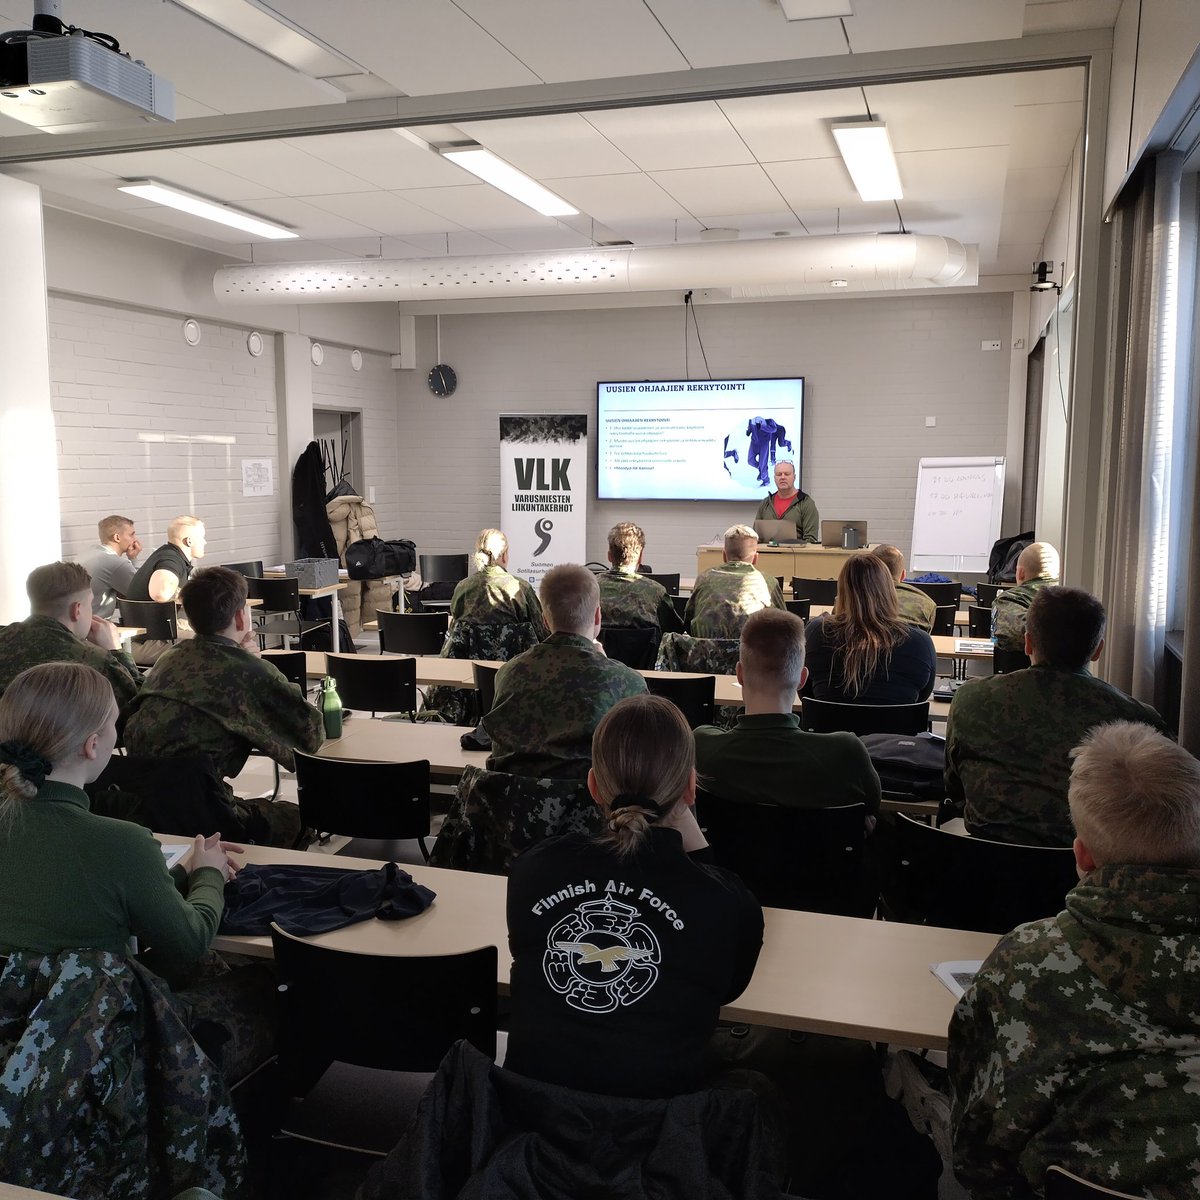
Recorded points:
(543, 507)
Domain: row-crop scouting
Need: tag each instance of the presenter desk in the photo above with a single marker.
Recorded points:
(842, 976)
(803, 560)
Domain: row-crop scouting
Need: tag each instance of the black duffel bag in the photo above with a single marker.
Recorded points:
(373, 558)
(909, 765)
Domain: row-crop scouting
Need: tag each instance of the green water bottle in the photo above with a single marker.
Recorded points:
(331, 708)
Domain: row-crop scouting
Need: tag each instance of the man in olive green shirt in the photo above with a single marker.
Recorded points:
(787, 503)
(916, 607)
(1037, 567)
(725, 596)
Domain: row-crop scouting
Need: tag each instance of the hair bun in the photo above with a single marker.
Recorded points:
(28, 761)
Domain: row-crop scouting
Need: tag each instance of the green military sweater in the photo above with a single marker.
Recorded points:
(630, 600)
(725, 596)
(72, 880)
(802, 510)
(1011, 607)
(37, 640)
(768, 758)
(1008, 744)
(494, 597)
(915, 606)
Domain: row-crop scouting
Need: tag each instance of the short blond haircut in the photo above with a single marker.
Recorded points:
(570, 596)
(52, 588)
(892, 559)
(772, 649)
(1039, 560)
(111, 526)
(626, 541)
(1135, 797)
(180, 526)
(490, 546)
(741, 543)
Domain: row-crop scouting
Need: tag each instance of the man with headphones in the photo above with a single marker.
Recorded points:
(163, 574)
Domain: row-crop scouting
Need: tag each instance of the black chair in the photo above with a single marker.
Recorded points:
(293, 664)
(370, 802)
(635, 647)
(442, 568)
(485, 685)
(979, 621)
(680, 604)
(1060, 1184)
(946, 879)
(279, 615)
(361, 1034)
(375, 683)
(670, 582)
(818, 591)
(832, 716)
(252, 570)
(940, 593)
(183, 795)
(986, 593)
(790, 857)
(693, 697)
(157, 617)
(799, 608)
(411, 633)
(943, 620)
(1004, 661)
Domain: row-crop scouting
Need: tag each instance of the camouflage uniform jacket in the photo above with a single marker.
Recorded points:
(1008, 739)
(209, 696)
(725, 596)
(103, 1091)
(494, 597)
(629, 600)
(802, 510)
(37, 640)
(916, 607)
(1079, 1044)
(548, 703)
(1010, 608)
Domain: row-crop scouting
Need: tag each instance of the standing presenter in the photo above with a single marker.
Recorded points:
(790, 504)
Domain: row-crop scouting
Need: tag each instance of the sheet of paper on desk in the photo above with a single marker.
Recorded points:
(973, 646)
(956, 977)
(175, 853)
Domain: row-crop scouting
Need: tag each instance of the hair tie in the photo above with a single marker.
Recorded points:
(29, 762)
(627, 801)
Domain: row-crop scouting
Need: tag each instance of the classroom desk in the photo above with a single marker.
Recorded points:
(802, 561)
(842, 976)
(330, 589)
(10, 1191)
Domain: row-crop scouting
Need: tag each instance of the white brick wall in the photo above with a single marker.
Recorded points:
(151, 427)
(874, 370)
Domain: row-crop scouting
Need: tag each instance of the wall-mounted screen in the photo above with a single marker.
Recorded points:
(695, 439)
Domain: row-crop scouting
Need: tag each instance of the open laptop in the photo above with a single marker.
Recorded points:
(782, 532)
(831, 532)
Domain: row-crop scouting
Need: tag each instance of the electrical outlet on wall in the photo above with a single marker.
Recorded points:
(989, 344)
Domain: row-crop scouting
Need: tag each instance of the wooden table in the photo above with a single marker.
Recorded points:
(366, 740)
(836, 975)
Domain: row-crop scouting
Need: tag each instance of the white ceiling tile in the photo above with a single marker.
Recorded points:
(1033, 188)
(815, 183)
(381, 157)
(1026, 226)
(1057, 86)
(940, 114)
(723, 190)
(298, 252)
(753, 225)
(1044, 135)
(781, 128)
(611, 198)
(476, 206)
(279, 165)
(957, 193)
(658, 232)
(1015, 258)
(672, 136)
(306, 219)
(467, 242)
(384, 212)
(888, 25)
(534, 240)
(180, 170)
(550, 147)
(1061, 16)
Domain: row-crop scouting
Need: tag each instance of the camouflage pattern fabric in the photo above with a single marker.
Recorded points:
(802, 511)
(548, 703)
(1009, 610)
(725, 596)
(485, 643)
(631, 600)
(1008, 738)
(494, 597)
(494, 816)
(104, 1093)
(915, 606)
(702, 656)
(38, 640)
(1079, 1044)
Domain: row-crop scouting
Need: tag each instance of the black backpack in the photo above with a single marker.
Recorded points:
(373, 558)
(909, 764)
(1002, 563)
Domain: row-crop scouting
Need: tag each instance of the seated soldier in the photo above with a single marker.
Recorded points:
(1009, 737)
(61, 628)
(163, 574)
(725, 596)
(766, 756)
(550, 699)
(1037, 567)
(214, 695)
(915, 606)
(629, 599)
(492, 596)
(1077, 1043)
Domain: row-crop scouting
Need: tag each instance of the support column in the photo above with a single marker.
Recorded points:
(294, 407)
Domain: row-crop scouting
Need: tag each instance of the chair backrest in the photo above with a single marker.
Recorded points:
(157, 617)
(1060, 1184)
(485, 685)
(442, 568)
(411, 633)
(385, 1011)
(943, 620)
(378, 800)
(986, 593)
(791, 857)
(635, 647)
(293, 664)
(1004, 661)
(832, 716)
(252, 570)
(946, 879)
(979, 621)
(277, 595)
(940, 593)
(799, 608)
(182, 795)
(469, 639)
(670, 582)
(374, 683)
(818, 591)
(693, 697)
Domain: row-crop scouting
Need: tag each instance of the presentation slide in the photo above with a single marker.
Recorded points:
(696, 439)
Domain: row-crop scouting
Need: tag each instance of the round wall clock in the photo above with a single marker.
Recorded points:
(442, 380)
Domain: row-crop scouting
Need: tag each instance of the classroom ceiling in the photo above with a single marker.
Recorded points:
(981, 159)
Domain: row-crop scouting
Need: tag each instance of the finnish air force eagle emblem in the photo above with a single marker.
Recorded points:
(601, 956)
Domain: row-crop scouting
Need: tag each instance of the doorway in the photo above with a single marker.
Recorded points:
(339, 434)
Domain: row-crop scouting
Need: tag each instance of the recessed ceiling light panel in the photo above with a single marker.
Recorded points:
(484, 164)
(867, 152)
(208, 210)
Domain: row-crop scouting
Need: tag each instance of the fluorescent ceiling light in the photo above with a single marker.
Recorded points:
(813, 10)
(508, 179)
(161, 193)
(867, 152)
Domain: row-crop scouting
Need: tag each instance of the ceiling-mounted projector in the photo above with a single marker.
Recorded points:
(68, 80)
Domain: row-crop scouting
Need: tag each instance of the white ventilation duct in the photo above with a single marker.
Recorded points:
(753, 269)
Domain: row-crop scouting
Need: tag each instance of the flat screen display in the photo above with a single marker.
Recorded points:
(696, 439)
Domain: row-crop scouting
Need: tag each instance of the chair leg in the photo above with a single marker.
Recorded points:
(424, 848)
(278, 781)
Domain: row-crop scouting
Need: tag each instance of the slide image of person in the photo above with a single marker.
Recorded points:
(753, 447)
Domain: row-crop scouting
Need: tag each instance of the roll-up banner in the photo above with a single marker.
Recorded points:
(543, 505)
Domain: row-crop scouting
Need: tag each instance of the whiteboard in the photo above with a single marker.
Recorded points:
(957, 514)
